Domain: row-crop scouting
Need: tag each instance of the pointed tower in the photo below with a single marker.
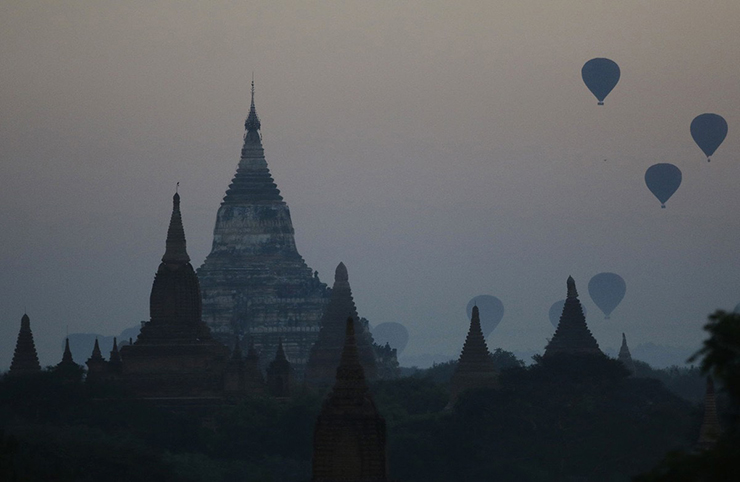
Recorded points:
(625, 357)
(280, 374)
(97, 367)
(572, 335)
(710, 427)
(25, 359)
(67, 368)
(174, 355)
(475, 368)
(115, 364)
(350, 435)
(326, 353)
(254, 278)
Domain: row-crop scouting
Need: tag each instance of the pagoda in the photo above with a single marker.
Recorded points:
(327, 352)
(254, 281)
(625, 357)
(475, 368)
(25, 360)
(67, 368)
(174, 355)
(710, 427)
(572, 335)
(350, 435)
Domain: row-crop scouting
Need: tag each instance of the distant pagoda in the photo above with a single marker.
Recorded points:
(710, 427)
(174, 355)
(25, 359)
(350, 435)
(475, 368)
(254, 281)
(572, 335)
(327, 352)
(625, 357)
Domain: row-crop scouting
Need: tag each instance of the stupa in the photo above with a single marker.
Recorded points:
(25, 359)
(572, 335)
(254, 282)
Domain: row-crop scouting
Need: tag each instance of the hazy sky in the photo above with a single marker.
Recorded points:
(440, 149)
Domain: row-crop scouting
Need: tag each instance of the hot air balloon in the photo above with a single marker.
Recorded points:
(600, 76)
(491, 311)
(708, 131)
(607, 291)
(395, 334)
(663, 180)
(557, 309)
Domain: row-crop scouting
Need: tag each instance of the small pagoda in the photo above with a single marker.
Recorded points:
(350, 435)
(475, 368)
(25, 359)
(572, 335)
(326, 353)
(625, 357)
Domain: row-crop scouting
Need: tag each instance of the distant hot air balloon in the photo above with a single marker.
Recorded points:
(491, 311)
(663, 180)
(600, 76)
(708, 131)
(607, 291)
(557, 309)
(395, 334)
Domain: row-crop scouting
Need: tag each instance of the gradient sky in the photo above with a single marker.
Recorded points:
(440, 149)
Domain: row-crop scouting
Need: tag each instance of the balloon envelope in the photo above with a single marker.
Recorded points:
(607, 291)
(708, 131)
(491, 311)
(600, 76)
(556, 310)
(395, 334)
(663, 180)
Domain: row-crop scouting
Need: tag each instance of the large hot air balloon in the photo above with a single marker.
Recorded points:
(663, 180)
(395, 334)
(708, 131)
(491, 311)
(600, 76)
(607, 291)
(557, 309)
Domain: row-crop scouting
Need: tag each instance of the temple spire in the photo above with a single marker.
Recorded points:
(25, 358)
(572, 335)
(176, 253)
(67, 355)
(572, 292)
(475, 369)
(625, 357)
(252, 124)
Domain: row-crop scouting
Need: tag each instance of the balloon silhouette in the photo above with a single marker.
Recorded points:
(663, 180)
(607, 291)
(708, 131)
(600, 76)
(395, 334)
(557, 309)
(491, 311)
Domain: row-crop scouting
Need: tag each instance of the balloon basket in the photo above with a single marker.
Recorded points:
(600, 103)
(662, 206)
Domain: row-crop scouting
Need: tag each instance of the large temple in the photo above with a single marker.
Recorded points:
(350, 435)
(254, 281)
(572, 335)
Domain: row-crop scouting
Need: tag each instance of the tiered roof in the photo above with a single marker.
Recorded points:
(326, 353)
(572, 335)
(25, 358)
(625, 357)
(475, 368)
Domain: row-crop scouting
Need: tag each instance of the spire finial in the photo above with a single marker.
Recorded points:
(572, 293)
(176, 252)
(252, 124)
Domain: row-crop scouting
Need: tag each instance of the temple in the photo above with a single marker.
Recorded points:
(710, 427)
(254, 281)
(67, 368)
(174, 354)
(350, 435)
(327, 352)
(572, 335)
(475, 368)
(625, 357)
(25, 359)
